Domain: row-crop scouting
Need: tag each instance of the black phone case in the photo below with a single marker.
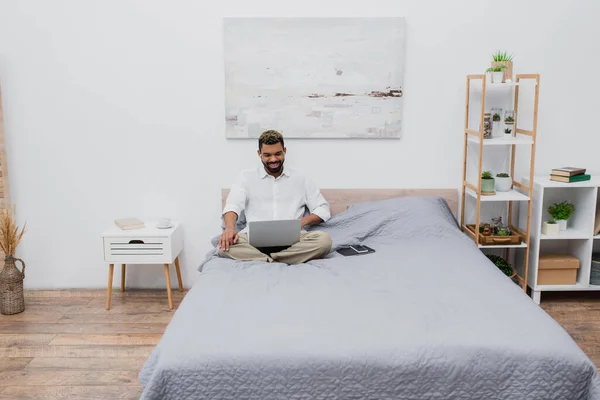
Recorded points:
(348, 251)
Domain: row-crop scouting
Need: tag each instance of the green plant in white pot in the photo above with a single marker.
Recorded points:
(561, 212)
(550, 228)
(497, 73)
(487, 183)
(503, 182)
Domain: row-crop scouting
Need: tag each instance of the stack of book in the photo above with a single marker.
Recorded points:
(569, 175)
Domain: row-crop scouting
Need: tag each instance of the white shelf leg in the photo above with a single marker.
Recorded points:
(536, 295)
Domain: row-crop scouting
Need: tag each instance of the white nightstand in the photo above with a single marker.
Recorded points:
(149, 245)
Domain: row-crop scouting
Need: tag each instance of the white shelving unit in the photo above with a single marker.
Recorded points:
(578, 240)
(498, 154)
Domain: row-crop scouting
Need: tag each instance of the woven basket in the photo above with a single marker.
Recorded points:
(595, 273)
(12, 300)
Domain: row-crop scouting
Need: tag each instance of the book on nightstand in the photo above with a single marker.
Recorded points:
(129, 223)
(567, 171)
(570, 179)
(569, 175)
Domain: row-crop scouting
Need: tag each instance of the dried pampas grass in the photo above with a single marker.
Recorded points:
(10, 237)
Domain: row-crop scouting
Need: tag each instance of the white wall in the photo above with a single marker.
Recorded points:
(116, 108)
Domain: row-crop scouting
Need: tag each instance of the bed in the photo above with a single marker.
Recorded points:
(427, 316)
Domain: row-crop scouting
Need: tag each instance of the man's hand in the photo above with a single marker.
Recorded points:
(228, 238)
(311, 219)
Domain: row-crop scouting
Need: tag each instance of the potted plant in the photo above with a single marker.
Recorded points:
(550, 228)
(502, 265)
(496, 122)
(503, 182)
(497, 74)
(503, 59)
(487, 183)
(561, 212)
(507, 133)
(12, 300)
(509, 120)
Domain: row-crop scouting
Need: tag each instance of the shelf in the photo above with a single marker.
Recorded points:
(546, 182)
(489, 86)
(502, 84)
(570, 233)
(523, 245)
(506, 96)
(498, 141)
(511, 195)
(577, 286)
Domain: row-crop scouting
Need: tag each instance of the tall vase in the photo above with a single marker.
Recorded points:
(12, 300)
(487, 126)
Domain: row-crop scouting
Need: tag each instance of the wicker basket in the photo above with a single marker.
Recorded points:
(12, 300)
(595, 273)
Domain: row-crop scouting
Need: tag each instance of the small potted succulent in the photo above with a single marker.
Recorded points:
(507, 134)
(503, 182)
(497, 73)
(487, 183)
(550, 228)
(496, 121)
(561, 212)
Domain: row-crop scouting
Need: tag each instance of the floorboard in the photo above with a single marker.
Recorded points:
(66, 345)
(71, 392)
(63, 339)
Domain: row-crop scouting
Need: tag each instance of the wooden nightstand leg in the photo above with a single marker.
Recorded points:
(168, 279)
(123, 277)
(178, 274)
(111, 270)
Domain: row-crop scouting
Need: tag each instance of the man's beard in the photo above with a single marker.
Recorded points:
(275, 170)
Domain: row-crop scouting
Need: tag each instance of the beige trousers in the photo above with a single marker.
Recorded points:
(311, 245)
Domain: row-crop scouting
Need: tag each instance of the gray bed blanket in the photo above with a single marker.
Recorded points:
(427, 316)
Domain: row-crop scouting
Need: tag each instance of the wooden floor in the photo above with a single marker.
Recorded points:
(67, 346)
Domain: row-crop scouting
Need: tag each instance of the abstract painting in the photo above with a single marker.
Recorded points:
(314, 77)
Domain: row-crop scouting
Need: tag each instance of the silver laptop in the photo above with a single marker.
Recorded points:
(278, 233)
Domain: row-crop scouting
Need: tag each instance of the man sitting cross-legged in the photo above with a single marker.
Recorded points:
(269, 193)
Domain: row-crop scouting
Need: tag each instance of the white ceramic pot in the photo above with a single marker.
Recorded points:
(562, 224)
(503, 184)
(507, 136)
(550, 229)
(497, 77)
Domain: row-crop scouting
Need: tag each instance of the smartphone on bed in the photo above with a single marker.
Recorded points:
(355, 250)
(359, 249)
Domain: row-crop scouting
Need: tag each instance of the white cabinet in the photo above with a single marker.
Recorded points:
(149, 245)
(577, 240)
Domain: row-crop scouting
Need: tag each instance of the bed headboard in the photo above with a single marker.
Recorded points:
(340, 199)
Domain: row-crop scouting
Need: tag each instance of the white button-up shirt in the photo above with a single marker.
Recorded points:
(265, 198)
